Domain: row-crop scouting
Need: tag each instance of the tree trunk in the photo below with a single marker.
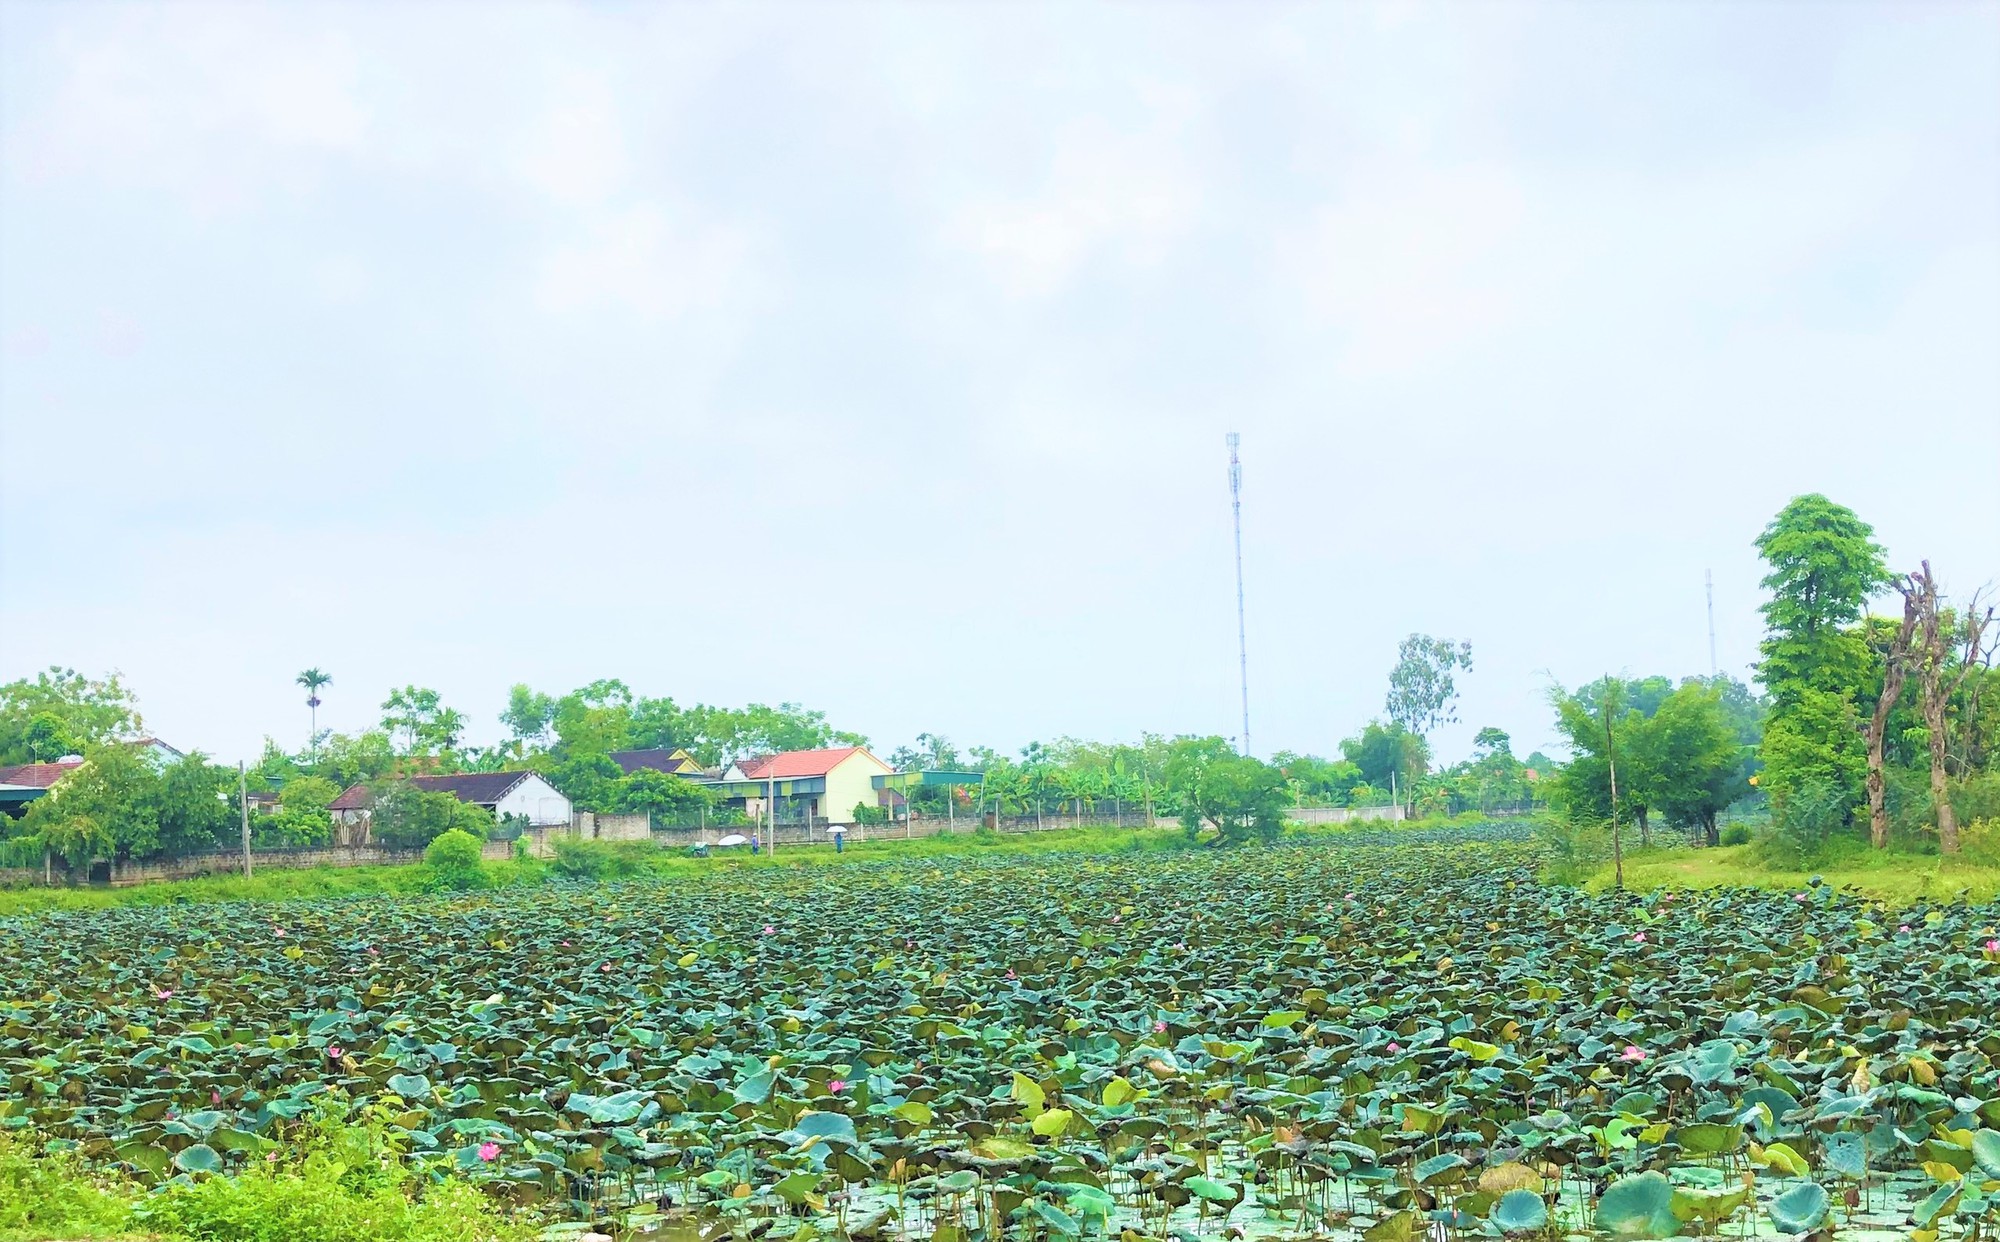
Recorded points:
(1947, 819)
(1895, 668)
(1710, 832)
(1645, 833)
(1934, 644)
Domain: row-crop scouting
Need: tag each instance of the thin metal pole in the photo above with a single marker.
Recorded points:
(1708, 584)
(1242, 644)
(771, 802)
(243, 801)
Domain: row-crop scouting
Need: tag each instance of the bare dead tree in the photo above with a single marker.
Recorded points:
(1939, 638)
(1895, 669)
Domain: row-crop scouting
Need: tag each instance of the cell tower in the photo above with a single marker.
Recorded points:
(1708, 582)
(1242, 645)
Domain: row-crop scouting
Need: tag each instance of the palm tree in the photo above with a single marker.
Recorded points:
(312, 679)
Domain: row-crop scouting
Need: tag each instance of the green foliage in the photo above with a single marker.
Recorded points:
(1422, 691)
(457, 858)
(866, 814)
(419, 724)
(1381, 752)
(1824, 565)
(1735, 834)
(1815, 742)
(1239, 797)
(582, 859)
(118, 804)
(403, 816)
(62, 712)
(51, 1194)
(668, 798)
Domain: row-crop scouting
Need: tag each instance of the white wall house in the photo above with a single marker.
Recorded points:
(525, 794)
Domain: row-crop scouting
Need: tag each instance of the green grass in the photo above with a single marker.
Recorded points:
(1891, 876)
(319, 883)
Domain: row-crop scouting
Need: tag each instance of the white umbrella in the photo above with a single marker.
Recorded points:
(734, 838)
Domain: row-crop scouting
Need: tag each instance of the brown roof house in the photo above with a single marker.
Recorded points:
(674, 762)
(523, 794)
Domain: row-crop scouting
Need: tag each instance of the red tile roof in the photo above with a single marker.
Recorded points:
(793, 764)
(38, 775)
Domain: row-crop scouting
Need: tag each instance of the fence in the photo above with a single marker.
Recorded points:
(1341, 814)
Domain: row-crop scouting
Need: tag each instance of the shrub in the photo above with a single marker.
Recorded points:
(49, 1194)
(1806, 822)
(1736, 834)
(1577, 846)
(1979, 842)
(581, 859)
(456, 859)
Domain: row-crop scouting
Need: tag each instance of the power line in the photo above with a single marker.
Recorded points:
(1242, 645)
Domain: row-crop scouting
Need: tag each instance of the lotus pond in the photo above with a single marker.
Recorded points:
(1384, 1039)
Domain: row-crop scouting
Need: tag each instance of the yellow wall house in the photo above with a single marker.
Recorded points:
(825, 784)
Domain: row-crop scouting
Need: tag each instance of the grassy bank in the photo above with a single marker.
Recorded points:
(320, 883)
(1888, 876)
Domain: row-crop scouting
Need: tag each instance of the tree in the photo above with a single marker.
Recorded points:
(1311, 777)
(82, 712)
(1815, 748)
(107, 808)
(1388, 756)
(405, 817)
(193, 805)
(1824, 564)
(1948, 649)
(1695, 766)
(590, 781)
(1238, 796)
(1895, 668)
(302, 818)
(528, 715)
(312, 679)
(424, 725)
(1422, 692)
(666, 797)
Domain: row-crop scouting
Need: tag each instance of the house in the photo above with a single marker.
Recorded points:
(674, 762)
(523, 794)
(158, 752)
(817, 786)
(23, 784)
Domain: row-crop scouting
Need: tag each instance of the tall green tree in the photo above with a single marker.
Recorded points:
(313, 680)
(1388, 756)
(1824, 565)
(1239, 797)
(74, 711)
(1423, 693)
(1694, 767)
(416, 718)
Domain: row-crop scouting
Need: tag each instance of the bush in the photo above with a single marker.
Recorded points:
(1979, 842)
(1736, 834)
(456, 857)
(1577, 846)
(51, 1195)
(581, 859)
(1806, 823)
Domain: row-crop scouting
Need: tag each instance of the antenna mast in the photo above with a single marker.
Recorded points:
(1242, 646)
(1708, 582)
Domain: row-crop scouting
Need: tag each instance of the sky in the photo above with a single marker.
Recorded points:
(880, 357)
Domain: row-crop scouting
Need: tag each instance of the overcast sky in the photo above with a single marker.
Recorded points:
(881, 357)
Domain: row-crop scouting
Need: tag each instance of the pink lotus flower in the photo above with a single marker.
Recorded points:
(1633, 1052)
(1904, 930)
(1798, 896)
(565, 944)
(1350, 896)
(488, 1150)
(163, 993)
(1993, 946)
(1011, 974)
(1394, 1046)
(270, 1157)
(1639, 939)
(1180, 946)
(770, 930)
(1118, 918)
(333, 1052)
(277, 931)
(605, 969)
(837, 1086)
(214, 1096)
(373, 951)
(1159, 1026)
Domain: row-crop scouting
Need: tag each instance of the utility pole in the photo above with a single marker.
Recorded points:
(243, 801)
(1236, 516)
(771, 800)
(1708, 583)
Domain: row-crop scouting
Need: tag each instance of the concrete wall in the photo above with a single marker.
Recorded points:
(1341, 814)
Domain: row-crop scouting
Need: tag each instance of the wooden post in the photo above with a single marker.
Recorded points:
(243, 801)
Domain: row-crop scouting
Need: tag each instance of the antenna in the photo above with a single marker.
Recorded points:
(1242, 646)
(1708, 582)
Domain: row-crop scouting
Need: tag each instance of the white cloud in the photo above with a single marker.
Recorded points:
(1129, 194)
(575, 152)
(212, 105)
(646, 260)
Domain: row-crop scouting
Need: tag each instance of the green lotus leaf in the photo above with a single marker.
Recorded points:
(1639, 1206)
(1800, 1209)
(1519, 1211)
